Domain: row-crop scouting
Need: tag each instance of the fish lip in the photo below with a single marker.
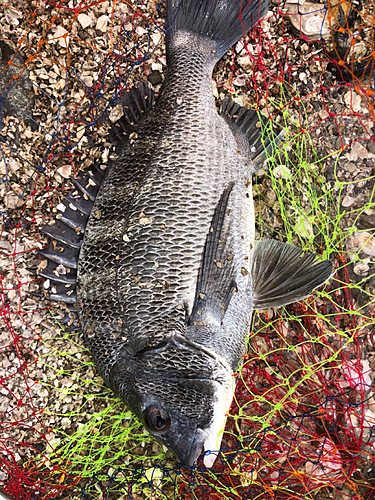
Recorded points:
(196, 447)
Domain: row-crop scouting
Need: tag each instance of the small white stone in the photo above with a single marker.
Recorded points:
(61, 269)
(61, 207)
(116, 113)
(60, 35)
(304, 227)
(84, 20)
(361, 268)
(87, 80)
(282, 172)
(353, 100)
(102, 23)
(43, 392)
(156, 38)
(156, 67)
(361, 241)
(140, 31)
(65, 171)
(240, 80)
(348, 201)
(360, 151)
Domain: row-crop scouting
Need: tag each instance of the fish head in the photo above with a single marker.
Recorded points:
(182, 396)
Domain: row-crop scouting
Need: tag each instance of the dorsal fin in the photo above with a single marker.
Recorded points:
(135, 104)
(281, 274)
(67, 232)
(262, 139)
(216, 278)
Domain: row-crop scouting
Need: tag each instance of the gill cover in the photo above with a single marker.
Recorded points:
(179, 391)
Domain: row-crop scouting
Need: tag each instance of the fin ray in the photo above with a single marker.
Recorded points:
(68, 230)
(216, 277)
(223, 22)
(281, 274)
(263, 141)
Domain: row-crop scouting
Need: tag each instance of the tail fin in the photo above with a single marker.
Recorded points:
(222, 21)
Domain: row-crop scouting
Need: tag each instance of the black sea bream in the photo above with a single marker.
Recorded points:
(169, 272)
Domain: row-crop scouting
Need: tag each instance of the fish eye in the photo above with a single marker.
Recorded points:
(157, 419)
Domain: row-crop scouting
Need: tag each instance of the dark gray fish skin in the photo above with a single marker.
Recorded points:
(161, 195)
(154, 339)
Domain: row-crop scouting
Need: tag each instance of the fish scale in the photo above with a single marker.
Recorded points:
(169, 272)
(163, 198)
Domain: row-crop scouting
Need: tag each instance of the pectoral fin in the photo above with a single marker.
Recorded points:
(281, 274)
(216, 277)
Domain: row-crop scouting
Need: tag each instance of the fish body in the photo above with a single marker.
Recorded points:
(168, 272)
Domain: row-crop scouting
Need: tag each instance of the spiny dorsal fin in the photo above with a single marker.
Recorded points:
(216, 278)
(67, 232)
(262, 139)
(281, 274)
(135, 105)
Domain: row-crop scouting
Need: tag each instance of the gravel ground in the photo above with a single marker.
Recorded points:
(47, 369)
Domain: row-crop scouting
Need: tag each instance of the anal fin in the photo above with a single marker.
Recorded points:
(281, 274)
(263, 141)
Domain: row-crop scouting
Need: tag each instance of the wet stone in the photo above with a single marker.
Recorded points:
(155, 78)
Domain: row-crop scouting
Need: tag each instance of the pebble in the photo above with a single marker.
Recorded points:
(282, 172)
(65, 171)
(43, 392)
(348, 201)
(357, 152)
(155, 78)
(116, 113)
(353, 100)
(102, 23)
(84, 20)
(304, 227)
(361, 241)
(87, 80)
(156, 38)
(11, 200)
(240, 80)
(361, 268)
(61, 36)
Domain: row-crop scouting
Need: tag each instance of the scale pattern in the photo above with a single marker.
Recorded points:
(144, 241)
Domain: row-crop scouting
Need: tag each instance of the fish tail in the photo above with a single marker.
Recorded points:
(223, 22)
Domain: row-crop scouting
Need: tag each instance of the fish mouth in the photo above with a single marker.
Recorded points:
(195, 449)
(209, 438)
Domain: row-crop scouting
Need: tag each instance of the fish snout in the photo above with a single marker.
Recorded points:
(189, 454)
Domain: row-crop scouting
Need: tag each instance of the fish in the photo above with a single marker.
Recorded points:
(169, 272)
